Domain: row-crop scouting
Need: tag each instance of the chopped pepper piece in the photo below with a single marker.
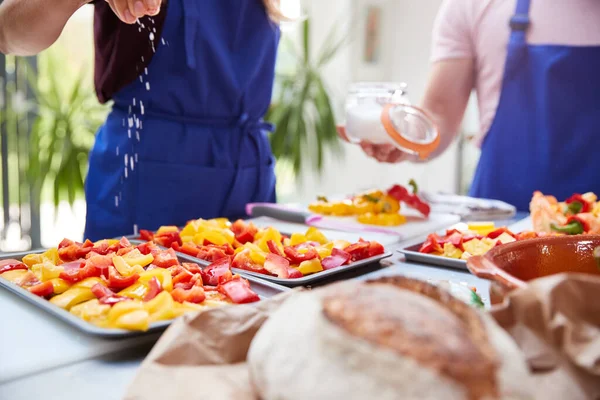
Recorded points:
(402, 194)
(238, 291)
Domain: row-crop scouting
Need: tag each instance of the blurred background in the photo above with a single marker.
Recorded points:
(49, 114)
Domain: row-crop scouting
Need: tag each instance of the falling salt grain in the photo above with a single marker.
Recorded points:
(130, 121)
(151, 36)
(129, 133)
(116, 201)
(143, 59)
(148, 86)
(141, 124)
(123, 121)
(117, 150)
(131, 163)
(154, 30)
(126, 157)
(135, 229)
(137, 136)
(141, 107)
(129, 109)
(162, 40)
(125, 172)
(145, 71)
(136, 159)
(134, 101)
(141, 79)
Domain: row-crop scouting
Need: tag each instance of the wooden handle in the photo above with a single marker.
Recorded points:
(482, 267)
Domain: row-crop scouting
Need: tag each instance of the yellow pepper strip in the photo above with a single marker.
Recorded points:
(109, 242)
(91, 311)
(50, 271)
(15, 275)
(32, 259)
(72, 297)
(325, 250)
(216, 237)
(129, 315)
(315, 235)
(37, 270)
(124, 268)
(161, 307)
(482, 228)
(163, 276)
(60, 285)
(451, 251)
(166, 229)
(182, 308)
(310, 266)
(297, 238)
(52, 256)
(88, 283)
(340, 244)
(134, 257)
(381, 219)
(136, 291)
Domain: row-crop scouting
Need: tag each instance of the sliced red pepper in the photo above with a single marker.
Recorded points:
(577, 204)
(154, 288)
(29, 279)
(243, 261)
(296, 257)
(148, 248)
(71, 271)
(274, 248)
(244, 232)
(182, 277)
(118, 281)
(165, 259)
(238, 291)
(431, 245)
(277, 265)
(99, 290)
(294, 273)
(183, 285)
(107, 296)
(214, 253)
(10, 265)
(456, 239)
(193, 295)
(217, 273)
(72, 251)
(496, 233)
(187, 248)
(42, 289)
(167, 239)
(192, 267)
(358, 251)
(375, 249)
(402, 194)
(146, 235)
(336, 259)
(526, 235)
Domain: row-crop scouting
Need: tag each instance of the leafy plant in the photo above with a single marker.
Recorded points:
(63, 133)
(302, 111)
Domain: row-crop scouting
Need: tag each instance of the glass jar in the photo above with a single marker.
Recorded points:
(381, 113)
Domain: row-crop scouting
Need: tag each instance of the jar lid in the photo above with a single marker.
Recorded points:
(411, 129)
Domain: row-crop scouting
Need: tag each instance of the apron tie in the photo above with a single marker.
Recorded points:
(190, 27)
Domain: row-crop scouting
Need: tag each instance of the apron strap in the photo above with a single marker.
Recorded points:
(519, 23)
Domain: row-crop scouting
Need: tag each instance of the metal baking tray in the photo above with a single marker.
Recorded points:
(412, 254)
(305, 280)
(261, 287)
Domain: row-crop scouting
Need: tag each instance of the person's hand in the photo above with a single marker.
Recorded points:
(386, 153)
(129, 11)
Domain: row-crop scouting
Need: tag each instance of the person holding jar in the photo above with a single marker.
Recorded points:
(534, 67)
(185, 137)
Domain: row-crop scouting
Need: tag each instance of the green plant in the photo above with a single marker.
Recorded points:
(62, 135)
(302, 111)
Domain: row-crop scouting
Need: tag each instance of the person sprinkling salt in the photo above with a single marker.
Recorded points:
(201, 73)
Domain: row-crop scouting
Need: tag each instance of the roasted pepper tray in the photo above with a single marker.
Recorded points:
(304, 281)
(412, 254)
(263, 288)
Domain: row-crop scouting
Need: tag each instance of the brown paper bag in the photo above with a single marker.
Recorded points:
(555, 321)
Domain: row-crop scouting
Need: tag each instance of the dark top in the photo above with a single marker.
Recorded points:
(119, 50)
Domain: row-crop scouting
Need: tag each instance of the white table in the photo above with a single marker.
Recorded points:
(40, 356)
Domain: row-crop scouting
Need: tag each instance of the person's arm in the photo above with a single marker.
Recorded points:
(30, 26)
(446, 97)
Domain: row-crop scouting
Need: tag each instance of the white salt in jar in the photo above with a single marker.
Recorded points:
(381, 113)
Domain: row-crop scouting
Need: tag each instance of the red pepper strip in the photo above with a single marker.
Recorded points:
(118, 281)
(375, 249)
(192, 267)
(165, 259)
(167, 239)
(296, 257)
(584, 224)
(42, 289)
(107, 296)
(71, 271)
(500, 231)
(154, 288)
(273, 248)
(336, 259)
(10, 265)
(431, 245)
(146, 235)
(582, 207)
(358, 251)
(193, 295)
(277, 265)
(238, 290)
(217, 273)
(400, 193)
(456, 239)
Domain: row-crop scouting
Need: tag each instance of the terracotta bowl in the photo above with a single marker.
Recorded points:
(512, 265)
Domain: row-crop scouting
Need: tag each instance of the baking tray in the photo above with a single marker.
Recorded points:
(305, 280)
(261, 287)
(412, 254)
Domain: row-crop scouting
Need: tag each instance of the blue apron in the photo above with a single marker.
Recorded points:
(547, 125)
(194, 143)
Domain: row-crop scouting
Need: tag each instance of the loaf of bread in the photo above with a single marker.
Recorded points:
(391, 338)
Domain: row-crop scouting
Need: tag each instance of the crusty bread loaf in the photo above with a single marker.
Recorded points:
(391, 338)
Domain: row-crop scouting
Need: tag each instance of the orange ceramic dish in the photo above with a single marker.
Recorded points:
(512, 265)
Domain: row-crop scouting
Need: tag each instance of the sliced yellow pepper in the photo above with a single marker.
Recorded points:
(161, 307)
(124, 268)
(325, 250)
(315, 235)
(136, 291)
(163, 276)
(60, 285)
(32, 259)
(134, 257)
(217, 237)
(50, 271)
(15, 275)
(451, 251)
(297, 238)
(310, 266)
(263, 237)
(340, 244)
(166, 229)
(138, 320)
(109, 242)
(91, 310)
(52, 256)
(88, 283)
(72, 297)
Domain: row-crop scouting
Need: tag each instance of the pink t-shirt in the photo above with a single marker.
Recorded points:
(479, 29)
